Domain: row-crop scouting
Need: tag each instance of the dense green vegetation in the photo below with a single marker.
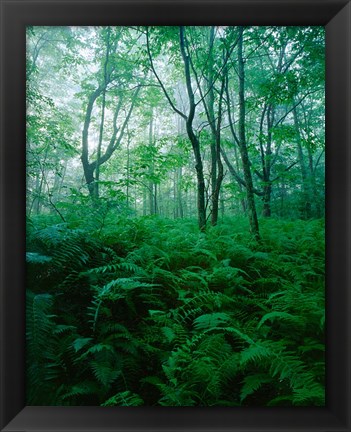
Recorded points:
(175, 216)
(155, 312)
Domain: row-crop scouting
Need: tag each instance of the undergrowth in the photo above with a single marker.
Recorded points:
(149, 311)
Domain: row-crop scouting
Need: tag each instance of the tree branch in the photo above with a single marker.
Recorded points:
(175, 109)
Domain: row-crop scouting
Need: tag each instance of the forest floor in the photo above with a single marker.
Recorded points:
(149, 311)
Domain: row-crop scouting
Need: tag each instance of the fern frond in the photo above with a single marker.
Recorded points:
(285, 366)
(258, 352)
(36, 258)
(271, 316)
(126, 398)
(80, 343)
(104, 372)
(312, 393)
(208, 321)
(252, 383)
(43, 365)
(84, 388)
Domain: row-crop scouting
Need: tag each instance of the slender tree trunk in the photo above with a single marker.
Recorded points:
(241, 189)
(101, 131)
(267, 164)
(305, 181)
(195, 143)
(175, 206)
(282, 197)
(212, 122)
(152, 189)
(222, 204)
(144, 201)
(36, 204)
(58, 182)
(128, 172)
(267, 193)
(267, 154)
(234, 171)
(242, 142)
(312, 176)
(177, 197)
(179, 212)
(219, 164)
(179, 193)
(216, 170)
(39, 184)
(97, 170)
(88, 168)
(201, 208)
(157, 192)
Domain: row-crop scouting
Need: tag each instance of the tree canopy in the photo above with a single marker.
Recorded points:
(238, 111)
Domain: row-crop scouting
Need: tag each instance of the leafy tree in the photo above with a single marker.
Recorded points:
(118, 75)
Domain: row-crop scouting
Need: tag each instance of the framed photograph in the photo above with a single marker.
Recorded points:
(175, 215)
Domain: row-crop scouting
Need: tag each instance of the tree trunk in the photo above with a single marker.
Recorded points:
(152, 188)
(219, 164)
(267, 192)
(144, 201)
(317, 204)
(242, 142)
(201, 208)
(212, 122)
(267, 159)
(36, 203)
(222, 204)
(216, 170)
(128, 172)
(87, 167)
(58, 181)
(115, 139)
(307, 207)
(179, 192)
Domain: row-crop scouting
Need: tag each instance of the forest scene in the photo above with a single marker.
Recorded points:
(175, 242)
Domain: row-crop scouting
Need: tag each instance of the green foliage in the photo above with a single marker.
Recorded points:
(124, 399)
(180, 318)
(128, 303)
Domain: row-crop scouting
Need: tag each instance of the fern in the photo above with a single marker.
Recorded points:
(80, 343)
(208, 321)
(151, 312)
(76, 391)
(272, 316)
(252, 383)
(43, 366)
(124, 399)
(104, 372)
(36, 258)
(285, 365)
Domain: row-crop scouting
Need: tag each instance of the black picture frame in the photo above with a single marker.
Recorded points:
(335, 15)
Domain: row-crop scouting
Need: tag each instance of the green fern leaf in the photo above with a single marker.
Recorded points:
(126, 398)
(80, 343)
(36, 258)
(84, 388)
(281, 316)
(104, 372)
(213, 320)
(252, 383)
